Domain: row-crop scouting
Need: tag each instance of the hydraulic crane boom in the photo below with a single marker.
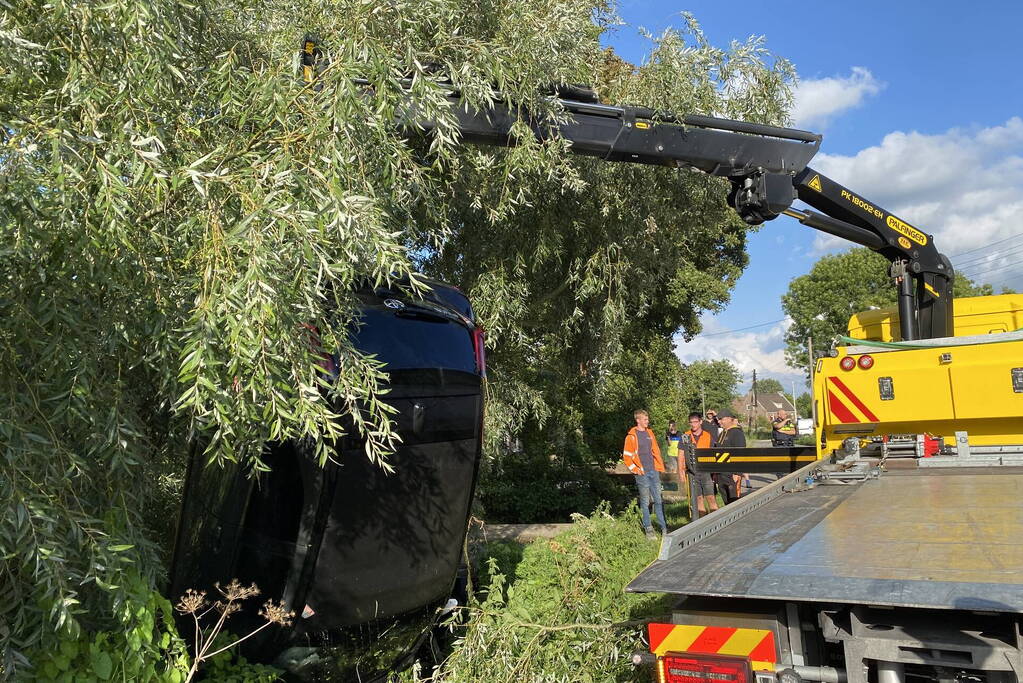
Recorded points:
(767, 167)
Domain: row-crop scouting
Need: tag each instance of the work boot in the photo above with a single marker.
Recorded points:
(650, 533)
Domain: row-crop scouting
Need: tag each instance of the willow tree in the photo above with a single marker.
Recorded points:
(599, 264)
(178, 208)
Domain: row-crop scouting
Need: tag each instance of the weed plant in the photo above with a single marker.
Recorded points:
(557, 610)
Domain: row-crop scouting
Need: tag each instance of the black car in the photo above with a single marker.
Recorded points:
(365, 559)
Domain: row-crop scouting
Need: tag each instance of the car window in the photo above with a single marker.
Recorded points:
(405, 340)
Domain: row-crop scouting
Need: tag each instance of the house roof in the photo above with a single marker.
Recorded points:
(771, 402)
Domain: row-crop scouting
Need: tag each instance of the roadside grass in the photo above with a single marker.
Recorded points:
(556, 609)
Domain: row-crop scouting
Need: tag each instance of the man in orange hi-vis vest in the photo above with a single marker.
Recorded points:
(642, 456)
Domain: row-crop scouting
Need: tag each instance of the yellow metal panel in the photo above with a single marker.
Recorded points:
(973, 315)
(970, 390)
(985, 391)
(920, 393)
(743, 641)
(680, 638)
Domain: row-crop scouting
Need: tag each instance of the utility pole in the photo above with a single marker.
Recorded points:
(795, 408)
(753, 412)
(809, 353)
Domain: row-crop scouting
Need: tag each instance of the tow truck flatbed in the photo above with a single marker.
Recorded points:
(922, 537)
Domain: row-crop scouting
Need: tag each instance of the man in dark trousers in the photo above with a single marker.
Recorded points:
(700, 484)
(642, 456)
(730, 436)
(673, 437)
(783, 432)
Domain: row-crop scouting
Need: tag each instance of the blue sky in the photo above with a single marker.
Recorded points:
(920, 105)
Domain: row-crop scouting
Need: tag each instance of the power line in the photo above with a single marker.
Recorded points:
(994, 264)
(985, 273)
(970, 251)
(741, 329)
(1004, 281)
(979, 260)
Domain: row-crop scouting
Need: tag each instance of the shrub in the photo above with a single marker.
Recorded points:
(560, 613)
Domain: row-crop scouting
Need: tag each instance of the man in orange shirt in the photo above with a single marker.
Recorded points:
(642, 456)
(701, 486)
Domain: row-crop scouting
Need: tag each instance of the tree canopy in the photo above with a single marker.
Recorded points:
(768, 385)
(821, 302)
(179, 208)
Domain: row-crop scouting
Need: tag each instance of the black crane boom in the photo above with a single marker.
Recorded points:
(767, 167)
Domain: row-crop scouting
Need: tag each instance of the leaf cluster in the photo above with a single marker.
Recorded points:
(559, 613)
(182, 224)
(596, 264)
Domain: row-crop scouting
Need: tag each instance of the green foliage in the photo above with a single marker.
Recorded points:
(768, 385)
(144, 646)
(761, 428)
(231, 667)
(178, 206)
(821, 302)
(804, 404)
(714, 382)
(601, 264)
(559, 614)
(538, 490)
(181, 207)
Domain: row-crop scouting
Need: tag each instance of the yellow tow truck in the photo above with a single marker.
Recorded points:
(897, 555)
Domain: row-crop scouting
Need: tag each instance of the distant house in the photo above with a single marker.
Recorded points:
(767, 405)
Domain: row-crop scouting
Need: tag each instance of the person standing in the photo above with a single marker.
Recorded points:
(672, 439)
(701, 486)
(642, 456)
(783, 432)
(710, 424)
(730, 436)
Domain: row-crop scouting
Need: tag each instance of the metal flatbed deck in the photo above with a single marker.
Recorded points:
(947, 539)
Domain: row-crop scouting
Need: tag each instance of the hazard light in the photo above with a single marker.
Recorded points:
(847, 363)
(866, 362)
(698, 668)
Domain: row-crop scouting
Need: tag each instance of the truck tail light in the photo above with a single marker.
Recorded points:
(481, 352)
(866, 362)
(847, 363)
(697, 668)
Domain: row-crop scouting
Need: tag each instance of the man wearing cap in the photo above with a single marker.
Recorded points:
(642, 456)
(730, 436)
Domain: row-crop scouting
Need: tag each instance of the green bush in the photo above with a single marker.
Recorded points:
(143, 646)
(560, 612)
(535, 491)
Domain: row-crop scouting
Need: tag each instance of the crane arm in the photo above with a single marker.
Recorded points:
(767, 167)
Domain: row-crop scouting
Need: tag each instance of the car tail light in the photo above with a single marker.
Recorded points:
(697, 668)
(847, 363)
(481, 352)
(866, 362)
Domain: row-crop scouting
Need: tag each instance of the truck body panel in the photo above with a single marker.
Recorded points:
(922, 538)
(973, 315)
(941, 390)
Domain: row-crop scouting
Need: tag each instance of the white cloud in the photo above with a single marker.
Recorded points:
(763, 351)
(817, 101)
(963, 186)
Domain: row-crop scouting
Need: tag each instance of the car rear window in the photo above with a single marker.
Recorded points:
(407, 340)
